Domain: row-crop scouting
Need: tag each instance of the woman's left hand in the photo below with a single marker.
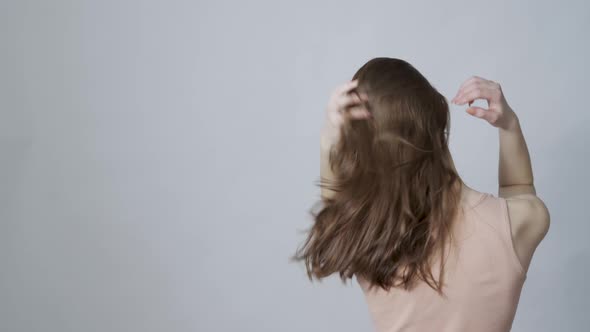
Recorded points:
(344, 103)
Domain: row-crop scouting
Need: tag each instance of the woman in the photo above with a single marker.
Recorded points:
(429, 252)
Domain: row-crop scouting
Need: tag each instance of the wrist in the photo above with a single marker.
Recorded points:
(512, 122)
(326, 142)
(329, 136)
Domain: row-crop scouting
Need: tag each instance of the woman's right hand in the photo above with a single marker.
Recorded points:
(345, 104)
(499, 114)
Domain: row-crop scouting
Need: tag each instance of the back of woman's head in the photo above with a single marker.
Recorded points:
(395, 185)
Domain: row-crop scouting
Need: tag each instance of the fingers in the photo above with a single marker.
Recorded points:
(346, 98)
(474, 93)
(470, 80)
(471, 83)
(478, 90)
(344, 101)
(349, 102)
(346, 87)
(359, 112)
(353, 105)
(488, 115)
(477, 111)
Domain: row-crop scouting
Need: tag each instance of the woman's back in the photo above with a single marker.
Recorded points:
(483, 278)
(390, 196)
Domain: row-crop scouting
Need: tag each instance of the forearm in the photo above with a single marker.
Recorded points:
(326, 143)
(515, 174)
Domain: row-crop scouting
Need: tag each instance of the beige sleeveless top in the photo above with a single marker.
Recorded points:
(483, 279)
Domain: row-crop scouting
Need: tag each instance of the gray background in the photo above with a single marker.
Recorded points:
(158, 158)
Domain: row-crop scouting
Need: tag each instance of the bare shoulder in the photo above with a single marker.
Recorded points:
(528, 211)
(529, 222)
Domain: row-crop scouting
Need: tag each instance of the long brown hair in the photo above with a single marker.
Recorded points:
(396, 188)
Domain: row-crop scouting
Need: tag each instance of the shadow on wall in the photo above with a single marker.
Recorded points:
(572, 238)
(577, 290)
(14, 157)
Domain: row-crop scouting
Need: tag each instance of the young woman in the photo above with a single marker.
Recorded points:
(429, 252)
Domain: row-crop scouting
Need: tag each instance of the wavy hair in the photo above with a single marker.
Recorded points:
(396, 187)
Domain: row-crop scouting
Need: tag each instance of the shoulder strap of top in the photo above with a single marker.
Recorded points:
(493, 211)
(507, 233)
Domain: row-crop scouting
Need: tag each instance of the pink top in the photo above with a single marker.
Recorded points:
(483, 279)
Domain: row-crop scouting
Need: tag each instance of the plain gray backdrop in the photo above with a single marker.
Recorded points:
(158, 158)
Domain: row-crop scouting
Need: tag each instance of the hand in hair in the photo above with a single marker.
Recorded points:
(345, 103)
(498, 114)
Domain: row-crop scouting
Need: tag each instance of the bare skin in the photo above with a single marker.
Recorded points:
(529, 217)
(528, 214)
(342, 106)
